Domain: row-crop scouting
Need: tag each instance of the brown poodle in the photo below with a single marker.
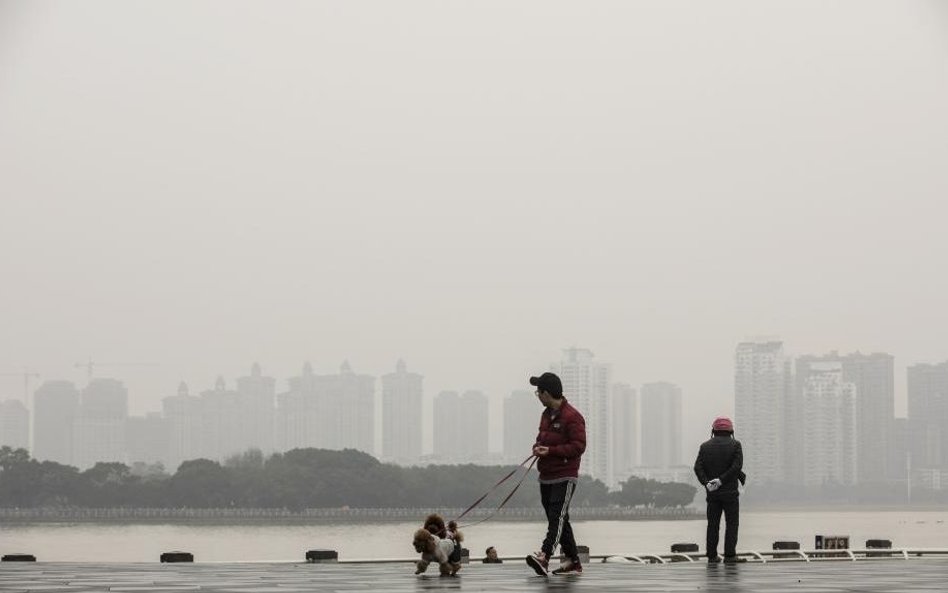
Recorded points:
(438, 543)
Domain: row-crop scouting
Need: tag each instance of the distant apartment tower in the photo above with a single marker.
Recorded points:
(661, 425)
(14, 425)
(760, 394)
(183, 414)
(350, 409)
(625, 431)
(586, 385)
(460, 431)
(220, 422)
(256, 409)
(522, 412)
(829, 426)
(928, 416)
(402, 415)
(301, 413)
(148, 439)
(874, 378)
(55, 405)
(99, 429)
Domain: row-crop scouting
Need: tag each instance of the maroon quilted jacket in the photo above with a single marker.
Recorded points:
(564, 432)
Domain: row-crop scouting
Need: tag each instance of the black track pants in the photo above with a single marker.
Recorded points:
(556, 499)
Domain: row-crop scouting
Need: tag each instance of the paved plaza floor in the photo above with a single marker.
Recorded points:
(874, 575)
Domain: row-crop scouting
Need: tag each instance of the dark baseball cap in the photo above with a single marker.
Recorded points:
(549, 383)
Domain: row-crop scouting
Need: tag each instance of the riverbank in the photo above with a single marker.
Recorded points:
(229, 516)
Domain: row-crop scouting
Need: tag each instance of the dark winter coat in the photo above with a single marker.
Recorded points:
(564, 431)
(720, 457)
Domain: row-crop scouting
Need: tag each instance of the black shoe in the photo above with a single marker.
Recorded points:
(714, 559)
(734, 559)
(539, 563)
(569, 566)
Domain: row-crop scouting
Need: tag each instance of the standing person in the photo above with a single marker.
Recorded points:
(559, 446)
(718, 468)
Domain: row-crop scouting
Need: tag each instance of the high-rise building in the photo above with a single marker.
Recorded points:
(521, 425)
(256, 411)
(55, 405)
(328, 411)
(220, 422)
(829, 426)
(760, 394)
(661, 425)
(99, 429)
(625, 431)
(14, 425)
(148, 438)
(586, 385)
(401, 415)
(928, 416)
(460, 429)
(873, 376)
(349, 407)
(183, 414)
(301, 413)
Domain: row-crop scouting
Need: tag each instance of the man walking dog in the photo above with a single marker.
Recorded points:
(718, 468)
(559, 446)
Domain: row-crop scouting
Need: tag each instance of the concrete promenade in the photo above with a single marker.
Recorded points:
(924, 574)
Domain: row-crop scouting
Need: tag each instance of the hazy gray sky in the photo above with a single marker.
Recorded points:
(469, 186)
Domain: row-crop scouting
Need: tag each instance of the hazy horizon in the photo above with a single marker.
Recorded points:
(469, 187)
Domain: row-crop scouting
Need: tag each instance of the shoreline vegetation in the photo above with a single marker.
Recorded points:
(323, 486)
(303, 484)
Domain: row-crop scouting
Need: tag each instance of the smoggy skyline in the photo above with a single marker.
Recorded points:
(471, 188)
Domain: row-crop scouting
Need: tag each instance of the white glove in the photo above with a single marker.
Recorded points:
(713, 484)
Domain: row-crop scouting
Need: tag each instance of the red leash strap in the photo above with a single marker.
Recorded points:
(502, 480)
(508, 497)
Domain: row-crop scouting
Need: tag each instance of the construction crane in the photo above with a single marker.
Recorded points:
(91, 365)
(27, 374)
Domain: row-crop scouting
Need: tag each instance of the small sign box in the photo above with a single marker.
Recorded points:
(832, 542)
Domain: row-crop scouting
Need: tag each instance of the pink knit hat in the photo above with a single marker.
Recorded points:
(722, 423)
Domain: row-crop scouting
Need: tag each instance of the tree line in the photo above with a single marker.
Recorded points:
(297, 480)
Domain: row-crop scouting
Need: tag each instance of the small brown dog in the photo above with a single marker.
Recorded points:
(438, 543)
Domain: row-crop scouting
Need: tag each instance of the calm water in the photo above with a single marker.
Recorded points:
(144, 543)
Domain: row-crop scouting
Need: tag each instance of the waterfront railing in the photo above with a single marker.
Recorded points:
(79, 514)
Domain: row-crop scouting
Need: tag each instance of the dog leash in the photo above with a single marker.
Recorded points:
(532, 459)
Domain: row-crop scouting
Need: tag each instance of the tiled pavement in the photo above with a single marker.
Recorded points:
(869, 576)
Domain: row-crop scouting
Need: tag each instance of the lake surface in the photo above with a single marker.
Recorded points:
(144, 543)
